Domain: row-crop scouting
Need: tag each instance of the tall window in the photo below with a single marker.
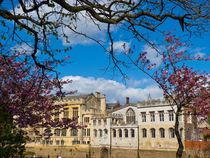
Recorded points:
(132, 133)
(63, 132)
(152, 116)
(120, 133)
(100, 132)
(94, 122)
(153, 132)
(143, 116)
(144, 133)
(75, 114)
(74, 132)
(114, 132)
(161, 115)
(66, 113)
(62, 142)
(172, 133)
(84, 132)
(57, 142)
(99, 122)
(47, 132)
(162, 133)
(88, 132)
(105, 122)
(95, 132)
(86, 120)
(189, 120)
(130, 116)
(57, 132)
(171, 115)
(126, 133)
(105, 131)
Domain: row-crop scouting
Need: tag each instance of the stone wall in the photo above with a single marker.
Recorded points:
(103, 152)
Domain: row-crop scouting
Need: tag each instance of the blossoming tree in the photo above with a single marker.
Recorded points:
(182, 85)
(27, 95)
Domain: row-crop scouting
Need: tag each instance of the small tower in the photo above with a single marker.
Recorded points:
(149, 99)
(103, 104)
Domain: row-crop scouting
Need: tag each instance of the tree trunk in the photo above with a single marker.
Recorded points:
(180, 149)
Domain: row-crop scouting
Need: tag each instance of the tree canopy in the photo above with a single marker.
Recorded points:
(42, 19)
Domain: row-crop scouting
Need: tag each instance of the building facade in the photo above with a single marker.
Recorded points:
(79, 108)
(147, 125)
(113, 129)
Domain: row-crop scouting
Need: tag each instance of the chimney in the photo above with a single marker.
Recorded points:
(127, 100)
(103, 104)
(97, 95)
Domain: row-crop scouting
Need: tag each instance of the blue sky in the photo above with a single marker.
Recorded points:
(88, 61)
(87, 71)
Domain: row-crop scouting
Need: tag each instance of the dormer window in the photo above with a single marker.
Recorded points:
(130, 116)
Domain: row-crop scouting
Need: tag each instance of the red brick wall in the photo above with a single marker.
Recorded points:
(197, 145)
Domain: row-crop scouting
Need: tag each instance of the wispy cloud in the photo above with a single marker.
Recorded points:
(152, 54)
(121, 46)
(83, 24)
(113, 90)
(26, 49)
(199, 52)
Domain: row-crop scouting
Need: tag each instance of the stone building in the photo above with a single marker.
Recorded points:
(113, 130)
(147, 125)
(78, 107)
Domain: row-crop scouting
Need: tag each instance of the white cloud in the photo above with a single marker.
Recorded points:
(25, 48)
(198, 52)
(113, 90)
(121, 46)
(83, 24)
(86, 26)
(201, 55)
(135, 83)
(153, 55)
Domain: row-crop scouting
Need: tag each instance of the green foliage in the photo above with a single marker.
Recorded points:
(11, 141)
(28, 153)
(208, 120)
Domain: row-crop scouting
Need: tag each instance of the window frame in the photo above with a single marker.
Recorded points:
(161, 116)
(153, 132)
(143, 116)
(144, 133)
(152, 116)
(162, 133)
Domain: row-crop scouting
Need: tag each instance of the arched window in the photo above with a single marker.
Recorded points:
(126, 133)
(47, 132)
(95, 133)
(152, 132)
(171, 133)
(105, 131)
(144, 133)
(57, 132)
(100, 132)
(120, 133)
(130, 116)
(63, 132)
(114, 132)
(74, 132)
(132, 133)
(162, 133)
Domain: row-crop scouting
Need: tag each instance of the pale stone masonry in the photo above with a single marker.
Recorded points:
(82, 107)
(147, 125)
